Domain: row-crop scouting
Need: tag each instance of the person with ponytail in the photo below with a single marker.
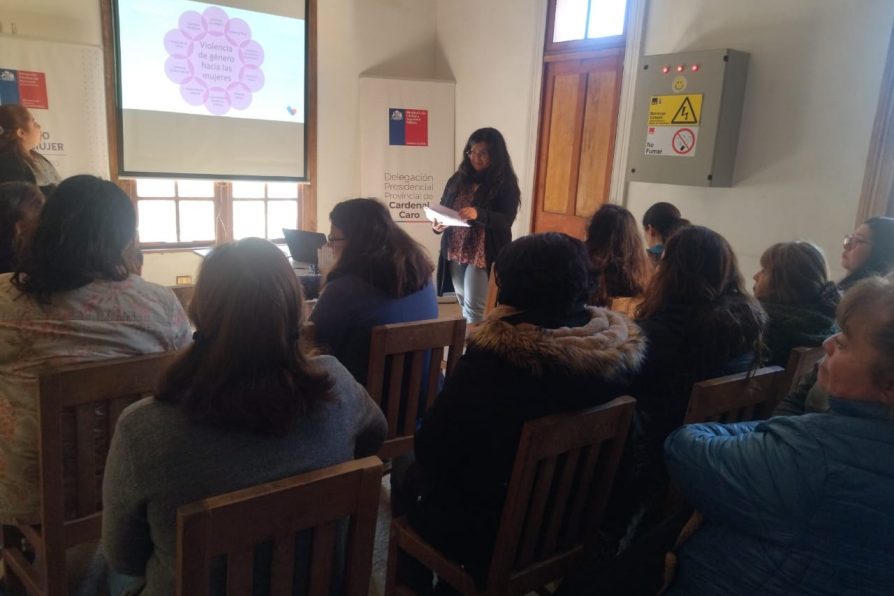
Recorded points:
(794, 290)
(380, 276)
(659, 222)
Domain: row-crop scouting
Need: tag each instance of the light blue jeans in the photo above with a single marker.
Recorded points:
(470, 285)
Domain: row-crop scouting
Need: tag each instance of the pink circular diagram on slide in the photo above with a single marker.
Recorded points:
(214, 60)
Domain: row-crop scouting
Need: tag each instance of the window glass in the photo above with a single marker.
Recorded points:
(606, 18)
(195, 188)
(571, 19)
(281, 214)
(158, 221)
(282, 190)
(248, 219)
(248, 190)
(196, 221)
(156, 187)
(588, 19)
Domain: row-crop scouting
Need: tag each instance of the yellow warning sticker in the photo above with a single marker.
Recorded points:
(674, 110)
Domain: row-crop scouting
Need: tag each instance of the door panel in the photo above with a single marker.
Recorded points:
(577, 135)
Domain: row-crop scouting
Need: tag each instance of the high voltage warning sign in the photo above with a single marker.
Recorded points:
(675, 110)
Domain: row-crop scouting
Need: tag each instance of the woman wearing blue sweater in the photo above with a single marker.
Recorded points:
(801, 504)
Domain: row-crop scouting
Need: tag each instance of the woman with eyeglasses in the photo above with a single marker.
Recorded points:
(484, 190)
(380, 276)
(868, 251)
(19, 162)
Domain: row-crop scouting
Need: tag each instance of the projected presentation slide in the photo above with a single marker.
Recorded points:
(200, 59)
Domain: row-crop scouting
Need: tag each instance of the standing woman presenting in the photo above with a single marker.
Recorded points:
(484, 191)
(19, 162)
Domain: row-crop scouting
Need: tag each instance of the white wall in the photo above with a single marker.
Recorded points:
(813, 85)
(375, 37)
(495, 51)
(73, 21)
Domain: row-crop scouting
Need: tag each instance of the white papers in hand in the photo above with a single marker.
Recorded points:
(444, 216)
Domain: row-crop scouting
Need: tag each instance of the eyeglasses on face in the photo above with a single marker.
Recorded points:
(477, 154)
(331, 240)
(852, 240)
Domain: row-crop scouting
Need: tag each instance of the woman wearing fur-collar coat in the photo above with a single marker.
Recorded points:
(542, 352)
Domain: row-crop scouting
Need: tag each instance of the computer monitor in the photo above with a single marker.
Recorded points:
(303, 245)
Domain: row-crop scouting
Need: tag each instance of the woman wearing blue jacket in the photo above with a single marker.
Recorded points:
(801, 504)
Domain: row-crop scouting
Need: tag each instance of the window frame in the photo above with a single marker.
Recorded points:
(223, 213)
(223, 196)
(552, 48)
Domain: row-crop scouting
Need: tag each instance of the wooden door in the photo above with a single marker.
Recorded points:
(578, 119)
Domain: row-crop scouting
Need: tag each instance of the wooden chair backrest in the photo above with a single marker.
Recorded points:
(491, 300)
(233, 524)
(560, 484)
(800, 362)
(403, 350)
(184, 294)
(735, 398)
(80, 403)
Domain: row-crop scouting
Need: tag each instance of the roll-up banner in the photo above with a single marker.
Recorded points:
(61, 84)
(407, 149)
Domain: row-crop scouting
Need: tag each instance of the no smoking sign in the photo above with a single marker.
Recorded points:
(671, 141)
(683, 141)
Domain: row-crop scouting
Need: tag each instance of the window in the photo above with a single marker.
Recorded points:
(576, 24)
(189, 213)
(264, 209)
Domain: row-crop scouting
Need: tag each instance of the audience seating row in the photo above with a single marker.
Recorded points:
(562, 476)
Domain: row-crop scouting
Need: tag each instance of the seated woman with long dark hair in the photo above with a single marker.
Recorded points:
(794, 290)
(542, 351)
(20, 204)
(381, 276)
(700, 323)
(801, 504)
(619, 259)
(242, 406)
(71, 299)
(868, 251)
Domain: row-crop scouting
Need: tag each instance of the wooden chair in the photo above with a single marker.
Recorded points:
(800, 362)
(403, 350)
(184, 294)
(81, 402)
(233, 524)
(491, 300)
(560, 484)
(735, 398)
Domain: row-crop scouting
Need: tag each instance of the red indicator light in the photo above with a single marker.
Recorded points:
(695, 68)
(665, 69)
(681, 68)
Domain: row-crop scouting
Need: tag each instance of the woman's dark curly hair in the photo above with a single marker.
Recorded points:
(549, 272)
(19, 202)
(500, 170)
(377, 250)
(84, 228)
(699, 271)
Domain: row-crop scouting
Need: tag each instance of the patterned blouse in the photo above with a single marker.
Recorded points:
(105, 319)
(466, 245)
